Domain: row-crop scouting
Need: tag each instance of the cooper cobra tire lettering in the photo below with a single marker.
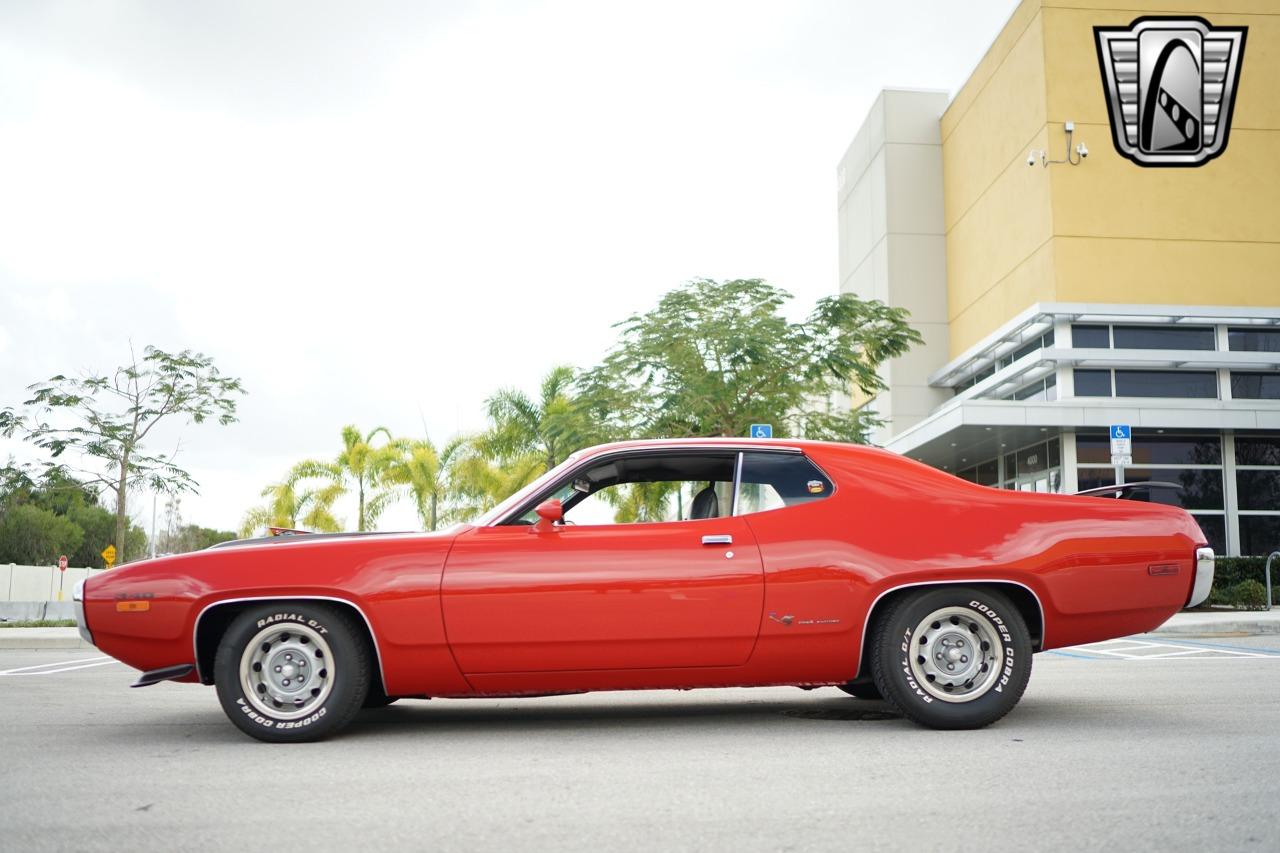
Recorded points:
(913, 625)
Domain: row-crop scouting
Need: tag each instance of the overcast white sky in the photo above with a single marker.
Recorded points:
(378, 212)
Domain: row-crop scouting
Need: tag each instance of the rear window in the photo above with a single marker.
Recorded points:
(776, 480)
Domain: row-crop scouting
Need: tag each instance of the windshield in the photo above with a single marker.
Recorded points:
(523, 495)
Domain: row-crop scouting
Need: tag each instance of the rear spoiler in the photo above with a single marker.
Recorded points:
(1125, 488)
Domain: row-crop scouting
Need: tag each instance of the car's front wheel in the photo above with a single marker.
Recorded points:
(952, 657)
(291, 672)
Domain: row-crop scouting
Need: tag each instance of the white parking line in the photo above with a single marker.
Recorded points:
(1145, 650)
(59, 666)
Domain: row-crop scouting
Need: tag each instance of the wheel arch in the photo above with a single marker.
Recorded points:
(214, 619)
(1023, 597)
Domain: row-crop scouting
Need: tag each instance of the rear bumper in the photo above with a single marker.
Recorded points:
(77, 599)
(1204, 577)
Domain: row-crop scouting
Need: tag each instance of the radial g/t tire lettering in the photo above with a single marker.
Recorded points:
(953, 657)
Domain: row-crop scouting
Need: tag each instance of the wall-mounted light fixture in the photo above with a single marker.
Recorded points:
(1080, 151)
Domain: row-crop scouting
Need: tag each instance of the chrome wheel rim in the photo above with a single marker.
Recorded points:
(287, 671)
(956, 654)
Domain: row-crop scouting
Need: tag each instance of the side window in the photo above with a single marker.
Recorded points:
(669, 500)
(646, 487)
(776, 480)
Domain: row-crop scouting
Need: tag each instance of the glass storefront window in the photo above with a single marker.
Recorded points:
(1093, 383)
(1091, 337)
(1167, 383)
(1259, 534)
(1253, 340)
(1163, 337)
(1258, 488)
(988, 474)
(1255, 385)
(1033, 460)
(1155, 449)
(1258, 450)
(1201, 487)
(1214, 528)
(1094, 478)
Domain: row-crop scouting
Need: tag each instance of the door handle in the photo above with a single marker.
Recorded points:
(718, 539)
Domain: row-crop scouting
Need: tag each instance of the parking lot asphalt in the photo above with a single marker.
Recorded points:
(1149, 743)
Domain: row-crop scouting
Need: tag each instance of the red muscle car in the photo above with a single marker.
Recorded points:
(744, 563)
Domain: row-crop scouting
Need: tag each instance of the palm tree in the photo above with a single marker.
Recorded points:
(288, 507)
(552, 426)
(361, 464)
(478, 484)
(426, 473)
(637, 502)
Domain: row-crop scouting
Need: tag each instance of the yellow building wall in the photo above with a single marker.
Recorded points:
(1107, 230)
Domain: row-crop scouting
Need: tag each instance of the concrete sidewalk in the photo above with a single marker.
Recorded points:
(1204, 623)
(41, 638)
(1222, 622)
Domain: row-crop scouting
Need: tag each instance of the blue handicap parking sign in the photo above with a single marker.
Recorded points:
(1121, 431)
(761, 431)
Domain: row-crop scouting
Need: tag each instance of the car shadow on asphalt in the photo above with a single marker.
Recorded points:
(560, 715)
(521, 716)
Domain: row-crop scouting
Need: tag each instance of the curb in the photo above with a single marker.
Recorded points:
(41, 638)
(1233, 622)
(1236, 627)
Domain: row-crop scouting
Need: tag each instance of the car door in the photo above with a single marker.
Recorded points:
(603, 597)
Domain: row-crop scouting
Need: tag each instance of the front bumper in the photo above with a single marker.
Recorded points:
(77, 598)
(1204, 577)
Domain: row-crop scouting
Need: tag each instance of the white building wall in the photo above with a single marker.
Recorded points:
(891, 240)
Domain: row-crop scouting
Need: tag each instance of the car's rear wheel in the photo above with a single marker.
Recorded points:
(290, 672)
(952, 657)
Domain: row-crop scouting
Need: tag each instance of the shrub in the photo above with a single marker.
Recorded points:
(1237, 582)
(1246, 595)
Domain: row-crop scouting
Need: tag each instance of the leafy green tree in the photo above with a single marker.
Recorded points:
(714, 357)
(67, 498)
(290, 506)
(362, 464)
(426, 474)
(15, 479)
(105, 420)
(477, 484)
(192, 537)
(553, 426)
(639, 502)
(34, 536)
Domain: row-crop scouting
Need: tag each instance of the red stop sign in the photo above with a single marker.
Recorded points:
(62, 563)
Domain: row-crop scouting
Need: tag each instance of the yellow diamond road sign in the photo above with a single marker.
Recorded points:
(109, 555)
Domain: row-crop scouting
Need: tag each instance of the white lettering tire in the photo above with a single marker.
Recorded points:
(952, 657)
(290, 672)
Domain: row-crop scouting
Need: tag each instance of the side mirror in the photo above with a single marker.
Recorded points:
(549, 513)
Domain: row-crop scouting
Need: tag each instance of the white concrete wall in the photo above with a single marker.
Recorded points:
(39, 583)
(892, 243)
